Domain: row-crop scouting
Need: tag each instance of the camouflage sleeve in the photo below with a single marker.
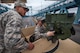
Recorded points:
(38, 34)
(12, 37)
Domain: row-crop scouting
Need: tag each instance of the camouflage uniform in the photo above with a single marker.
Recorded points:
(10, 33)
(39, 32)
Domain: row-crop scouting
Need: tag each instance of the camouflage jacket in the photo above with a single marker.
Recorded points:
(39, 32)
(11, 40)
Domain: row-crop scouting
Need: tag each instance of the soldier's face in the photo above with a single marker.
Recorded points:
(22, 11)
(40, 23)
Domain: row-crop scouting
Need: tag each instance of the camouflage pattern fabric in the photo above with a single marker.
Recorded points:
(11, 40)
(40, 32)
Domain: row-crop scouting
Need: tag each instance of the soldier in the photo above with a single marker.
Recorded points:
(40, 31)
(11, 39)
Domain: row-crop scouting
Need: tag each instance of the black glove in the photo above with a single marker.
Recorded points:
(32, 38)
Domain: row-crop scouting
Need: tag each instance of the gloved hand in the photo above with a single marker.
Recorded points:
(32, 38)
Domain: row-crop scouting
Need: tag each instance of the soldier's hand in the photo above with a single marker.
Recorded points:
(31, 46)
(50, 33)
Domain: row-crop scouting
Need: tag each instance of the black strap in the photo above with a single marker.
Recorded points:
(54, 49)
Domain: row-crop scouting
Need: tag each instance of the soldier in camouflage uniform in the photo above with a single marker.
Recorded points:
(40, 30)
(11, 39)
